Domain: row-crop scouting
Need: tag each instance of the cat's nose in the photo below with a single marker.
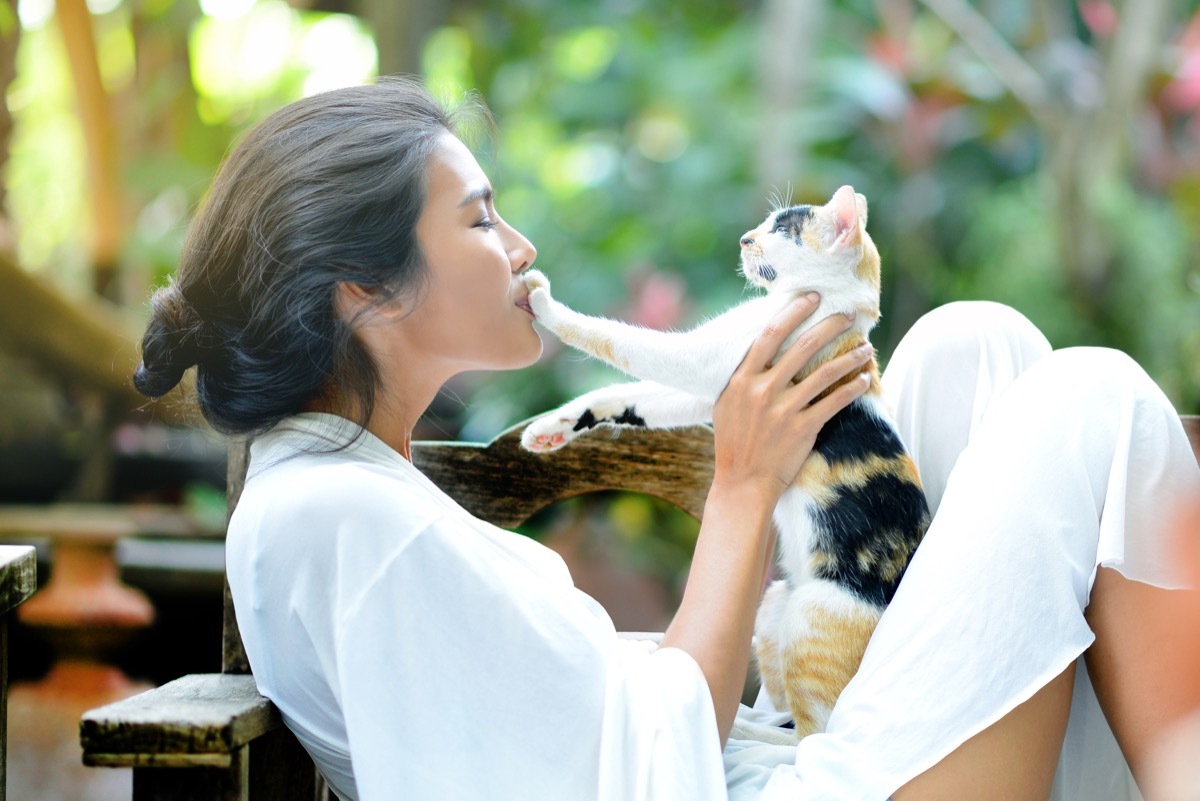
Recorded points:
(747, 240)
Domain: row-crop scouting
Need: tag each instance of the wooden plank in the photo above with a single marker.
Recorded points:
(201, 714)
(99, 523)
(503, 483)
(18, 575)
(159, 760)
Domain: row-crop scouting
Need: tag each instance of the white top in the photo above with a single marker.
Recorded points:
(410, 645)
(444, 658)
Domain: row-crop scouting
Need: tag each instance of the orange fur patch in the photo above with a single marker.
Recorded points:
(837, 348)
(600, 347)
(869, 266)
(818, 666)
(821, 481)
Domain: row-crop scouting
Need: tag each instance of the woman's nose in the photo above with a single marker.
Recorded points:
(522, 253)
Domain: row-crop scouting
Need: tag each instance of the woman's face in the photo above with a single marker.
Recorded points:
(474, 313)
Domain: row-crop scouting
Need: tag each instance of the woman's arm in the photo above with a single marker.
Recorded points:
(765, 427)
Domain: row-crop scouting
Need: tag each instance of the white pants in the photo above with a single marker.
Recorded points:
(1040, 466)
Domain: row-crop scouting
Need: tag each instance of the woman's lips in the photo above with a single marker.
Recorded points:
(524, 304)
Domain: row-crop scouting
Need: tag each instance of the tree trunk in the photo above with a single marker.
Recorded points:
(401, 28)
(100, 136)
(10, 38)
(790, 33)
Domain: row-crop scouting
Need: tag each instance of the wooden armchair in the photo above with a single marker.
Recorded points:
(18, 580)
(232, 740)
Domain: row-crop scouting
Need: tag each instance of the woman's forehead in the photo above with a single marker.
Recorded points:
(453, 171)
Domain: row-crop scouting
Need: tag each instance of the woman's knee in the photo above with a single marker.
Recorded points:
(974, 328)
(1090, 375)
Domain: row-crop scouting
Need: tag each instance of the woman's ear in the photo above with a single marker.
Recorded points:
(354, 301)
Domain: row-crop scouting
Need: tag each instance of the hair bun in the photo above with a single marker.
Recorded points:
(173, 342)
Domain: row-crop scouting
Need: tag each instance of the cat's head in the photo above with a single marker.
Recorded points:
(822, 248)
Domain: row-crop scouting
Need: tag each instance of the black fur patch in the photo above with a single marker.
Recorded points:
(629, 418)
(867, 534)
(885, 520)
(854, 434)
(790, 222)
(586, 420)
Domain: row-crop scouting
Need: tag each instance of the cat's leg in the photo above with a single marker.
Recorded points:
(823, 633)
(699, 361)
(766, 641)
(642, 404)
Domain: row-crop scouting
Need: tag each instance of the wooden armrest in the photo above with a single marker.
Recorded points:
(18, 575)
(195, 721)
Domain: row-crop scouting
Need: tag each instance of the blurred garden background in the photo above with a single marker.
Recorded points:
(1042, 153)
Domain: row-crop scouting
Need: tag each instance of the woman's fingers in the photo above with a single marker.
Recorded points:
(824, 409)
(808, 344)
(766, 345)
(843, 368)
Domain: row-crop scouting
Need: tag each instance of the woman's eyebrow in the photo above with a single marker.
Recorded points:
(484, 192)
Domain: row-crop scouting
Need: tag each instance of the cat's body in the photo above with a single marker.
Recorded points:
(855, 514)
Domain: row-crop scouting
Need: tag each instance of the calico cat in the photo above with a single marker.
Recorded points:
(856, 512)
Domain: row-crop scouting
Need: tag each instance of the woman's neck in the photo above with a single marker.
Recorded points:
(392, 419)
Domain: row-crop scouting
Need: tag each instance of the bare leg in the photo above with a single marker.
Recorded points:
(1011, 760)
(1138, 666)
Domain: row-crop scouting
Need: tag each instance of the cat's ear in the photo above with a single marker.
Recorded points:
(849, 212)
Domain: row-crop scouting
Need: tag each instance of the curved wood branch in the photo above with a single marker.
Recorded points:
(83, 342)
(506, 484)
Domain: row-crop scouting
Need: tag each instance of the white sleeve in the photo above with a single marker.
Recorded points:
(467, 672)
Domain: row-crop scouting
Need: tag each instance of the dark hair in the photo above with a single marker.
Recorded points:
(325, 190)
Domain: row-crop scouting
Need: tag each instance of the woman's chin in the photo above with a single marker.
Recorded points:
(526, 355)
(535, 350)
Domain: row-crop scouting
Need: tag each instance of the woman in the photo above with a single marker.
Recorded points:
(349, 260)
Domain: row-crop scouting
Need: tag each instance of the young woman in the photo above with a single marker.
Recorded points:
(349, 259)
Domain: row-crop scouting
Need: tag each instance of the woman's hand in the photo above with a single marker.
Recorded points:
(766, 425)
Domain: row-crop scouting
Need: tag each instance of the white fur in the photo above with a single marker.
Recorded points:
(683, 374)
(701, 361)
(658, 406)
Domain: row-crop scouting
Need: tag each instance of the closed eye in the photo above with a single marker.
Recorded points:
(486, 223)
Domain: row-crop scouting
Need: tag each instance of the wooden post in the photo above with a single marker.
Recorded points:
(196, 784)
(18, 580)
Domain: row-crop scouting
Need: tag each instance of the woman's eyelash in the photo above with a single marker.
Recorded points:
(486, 223)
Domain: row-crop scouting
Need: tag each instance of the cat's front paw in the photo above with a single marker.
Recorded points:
(549, 433)
(540, 300)
(535, 279)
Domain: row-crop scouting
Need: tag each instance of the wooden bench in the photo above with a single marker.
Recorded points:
(232, 738)
(18, 580)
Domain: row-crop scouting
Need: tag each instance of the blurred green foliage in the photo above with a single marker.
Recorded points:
(630, 148)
